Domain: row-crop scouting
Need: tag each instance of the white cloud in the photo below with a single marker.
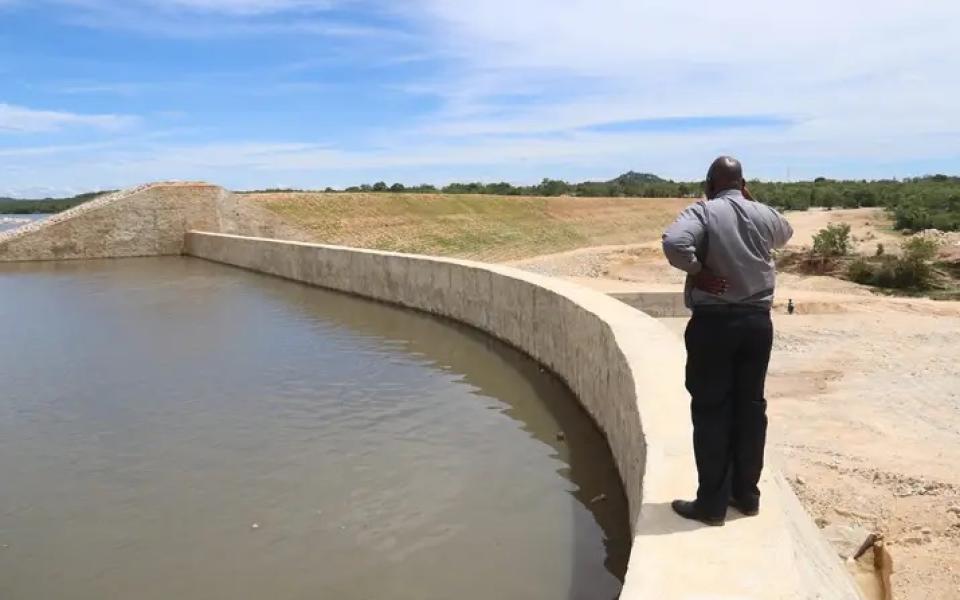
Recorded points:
(27, 120)
(523, 158)
(848, 74)
(621, 37)
(863, 91)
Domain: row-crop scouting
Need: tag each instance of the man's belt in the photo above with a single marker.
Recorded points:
(730, 309)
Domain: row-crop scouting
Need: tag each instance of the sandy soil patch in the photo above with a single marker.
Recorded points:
(869, 226)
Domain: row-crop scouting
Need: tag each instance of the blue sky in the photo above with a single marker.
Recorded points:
(309, 93)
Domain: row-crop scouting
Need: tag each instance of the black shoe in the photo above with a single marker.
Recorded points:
(743, 509)
(689, 510)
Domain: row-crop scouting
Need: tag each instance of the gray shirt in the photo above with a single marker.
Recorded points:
(735, 238)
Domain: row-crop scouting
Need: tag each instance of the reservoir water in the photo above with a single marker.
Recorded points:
(173, 428)
(10, 222)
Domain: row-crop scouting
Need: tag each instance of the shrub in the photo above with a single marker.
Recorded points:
(860, 271)
(887, 273)
(920, 249)
(833, 241)
(911, 217)
(911, 271)
(880, 249)
(914, 269)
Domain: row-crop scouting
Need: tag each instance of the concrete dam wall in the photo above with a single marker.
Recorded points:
(624, 367)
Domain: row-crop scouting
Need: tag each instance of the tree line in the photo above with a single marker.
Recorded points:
(638, 185)
(17, 206)
(931, 202)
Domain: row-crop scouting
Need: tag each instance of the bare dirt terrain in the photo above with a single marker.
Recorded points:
(864, 395)
(869, 227)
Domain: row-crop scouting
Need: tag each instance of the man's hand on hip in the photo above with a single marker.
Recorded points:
(707, 281)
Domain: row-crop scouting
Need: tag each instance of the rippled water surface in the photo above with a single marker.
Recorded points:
(176, 429)
(9, 222)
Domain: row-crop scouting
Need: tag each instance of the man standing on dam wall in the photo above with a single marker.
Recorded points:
(725, 245)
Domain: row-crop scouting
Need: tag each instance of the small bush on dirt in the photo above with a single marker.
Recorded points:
(880, 250)
(889, 274)
(833, 241)
(911, 271)
(914, 269)
(920, 249)
(860, 271)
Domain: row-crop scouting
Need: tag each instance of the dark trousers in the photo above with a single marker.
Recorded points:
(727, 357)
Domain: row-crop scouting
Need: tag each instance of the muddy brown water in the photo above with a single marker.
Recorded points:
(173, 428)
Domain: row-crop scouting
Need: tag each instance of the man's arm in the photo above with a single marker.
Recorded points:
(680, 243)
(681, 240)
(780, 229)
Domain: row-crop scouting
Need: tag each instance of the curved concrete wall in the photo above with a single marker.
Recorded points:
(627, 371)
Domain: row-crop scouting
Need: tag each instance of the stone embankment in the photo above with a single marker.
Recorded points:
(148, 220)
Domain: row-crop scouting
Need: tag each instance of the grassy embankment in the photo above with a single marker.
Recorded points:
(472, 226)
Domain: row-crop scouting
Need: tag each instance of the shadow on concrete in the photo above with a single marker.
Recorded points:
(658, 518)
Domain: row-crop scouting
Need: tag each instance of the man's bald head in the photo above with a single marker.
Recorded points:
(726, 173)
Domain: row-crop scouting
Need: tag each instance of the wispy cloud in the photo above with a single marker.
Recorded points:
(312, 93)
(245, 7)
(837, 70)
(120, 88)
(27, 120)
(581, 154)
(232, 7)
(222, 18)
(270, 87)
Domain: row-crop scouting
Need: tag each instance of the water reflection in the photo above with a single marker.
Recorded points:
(154, 409)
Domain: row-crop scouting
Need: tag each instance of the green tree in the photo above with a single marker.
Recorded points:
(553, 187)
